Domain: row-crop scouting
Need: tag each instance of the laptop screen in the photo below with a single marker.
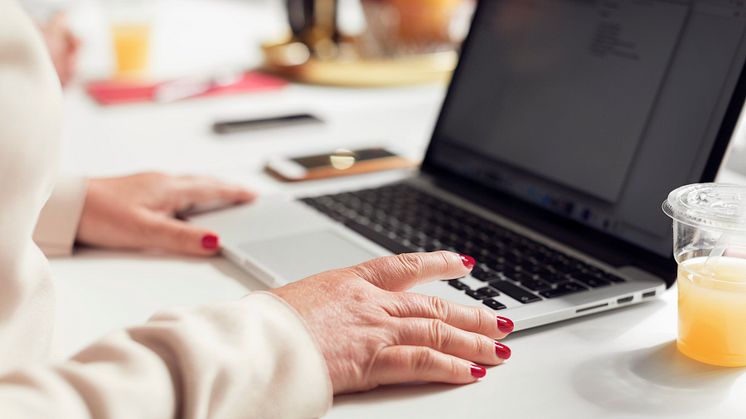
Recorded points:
(594, 110)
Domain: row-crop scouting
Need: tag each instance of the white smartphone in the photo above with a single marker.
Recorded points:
(338, 163)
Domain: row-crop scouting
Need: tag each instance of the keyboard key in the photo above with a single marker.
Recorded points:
(515, 292)
(554, 278)
(475, 295)
(378, 237)
(482, 273)
(493, 304)
(455, 283)
(563, 289)
(535, 284)
(488, 292)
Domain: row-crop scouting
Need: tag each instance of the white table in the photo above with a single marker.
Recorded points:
(619, 364)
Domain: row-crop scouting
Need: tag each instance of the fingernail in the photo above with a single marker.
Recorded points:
(505, 325)
(210, 241)
(468, 261)
(478, 371)
(502, 351)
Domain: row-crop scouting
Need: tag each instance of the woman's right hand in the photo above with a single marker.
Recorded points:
(371, 332)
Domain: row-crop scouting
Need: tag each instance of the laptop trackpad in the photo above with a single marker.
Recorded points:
(297, 256)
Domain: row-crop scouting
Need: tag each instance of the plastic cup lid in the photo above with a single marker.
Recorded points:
(717, 206)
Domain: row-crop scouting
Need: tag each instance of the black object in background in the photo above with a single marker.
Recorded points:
(300, 16)
(228, 127)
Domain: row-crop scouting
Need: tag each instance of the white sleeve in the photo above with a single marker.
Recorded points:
(252, 358)
(57, 226)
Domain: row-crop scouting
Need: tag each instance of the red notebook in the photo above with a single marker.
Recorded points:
(112, 92)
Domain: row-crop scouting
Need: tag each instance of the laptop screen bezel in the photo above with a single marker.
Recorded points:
(663, 267)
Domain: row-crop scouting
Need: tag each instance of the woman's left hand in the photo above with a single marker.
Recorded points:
(137, 212)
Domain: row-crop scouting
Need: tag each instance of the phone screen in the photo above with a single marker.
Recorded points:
(342, 158)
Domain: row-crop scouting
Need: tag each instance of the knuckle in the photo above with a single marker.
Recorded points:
(455, 367)
(440, 336)
(480, 319)
(448, 260)
(480, 346)
(423, 360)
(358, 271)
(182, 236)
(411, 263)
(144, 226)
(439, 307)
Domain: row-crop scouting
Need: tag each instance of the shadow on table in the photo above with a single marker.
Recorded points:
(393, 393)
(656, 380)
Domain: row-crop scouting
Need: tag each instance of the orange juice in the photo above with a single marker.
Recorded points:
(131, 47)
(712, 310)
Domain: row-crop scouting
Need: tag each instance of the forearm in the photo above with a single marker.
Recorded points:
(252, 358)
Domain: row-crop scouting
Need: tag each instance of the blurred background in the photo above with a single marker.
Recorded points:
(127, 51)
(167, 38)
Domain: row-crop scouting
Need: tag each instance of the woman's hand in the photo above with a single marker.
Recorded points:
(373, 333)
(137, 212)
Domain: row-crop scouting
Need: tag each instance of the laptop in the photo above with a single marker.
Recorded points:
(565, 126)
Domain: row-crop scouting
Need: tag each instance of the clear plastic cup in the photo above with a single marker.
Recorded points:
(709, 243)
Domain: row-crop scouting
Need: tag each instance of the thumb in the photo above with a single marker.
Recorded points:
(401, 272)
(165, 233)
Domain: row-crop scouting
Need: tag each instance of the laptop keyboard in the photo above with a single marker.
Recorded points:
(404, 219)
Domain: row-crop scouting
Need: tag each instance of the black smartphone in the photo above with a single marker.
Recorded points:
(229, 127)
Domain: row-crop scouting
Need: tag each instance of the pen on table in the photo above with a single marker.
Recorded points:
(241, 125)
(188, 87)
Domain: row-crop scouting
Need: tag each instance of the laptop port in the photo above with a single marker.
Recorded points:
(582, 310)
(648, 294)
(625, 300)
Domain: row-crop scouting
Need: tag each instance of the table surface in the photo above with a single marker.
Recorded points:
(617, 364)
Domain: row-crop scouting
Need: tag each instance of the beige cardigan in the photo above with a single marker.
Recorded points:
(251, 358)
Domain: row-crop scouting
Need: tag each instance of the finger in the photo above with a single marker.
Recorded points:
(474, 319)
(205, 191)
(164, 233)
(405, 364)
(447, 339)
(401, 272)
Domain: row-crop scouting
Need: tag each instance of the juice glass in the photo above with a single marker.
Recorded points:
(709, 224)
(130, 23)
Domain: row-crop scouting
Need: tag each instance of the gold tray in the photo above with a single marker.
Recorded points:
(289, 59)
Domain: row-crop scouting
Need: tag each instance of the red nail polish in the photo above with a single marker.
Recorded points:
(502, 351)
(505, 325)
(478, 371)
(210, 241)
(468, 261)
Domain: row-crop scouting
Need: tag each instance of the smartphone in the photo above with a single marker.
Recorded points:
(228, 127)
(335, 164)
